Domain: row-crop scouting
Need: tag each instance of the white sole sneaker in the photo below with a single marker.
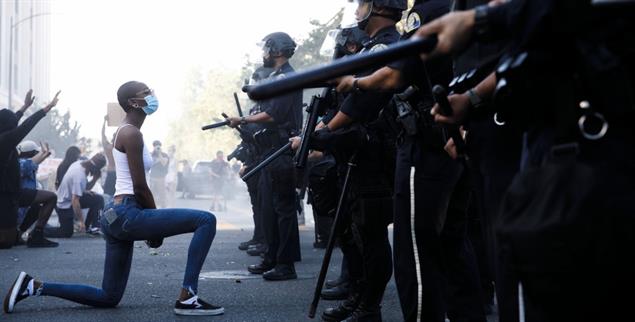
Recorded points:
(199, 312)
(12, 295)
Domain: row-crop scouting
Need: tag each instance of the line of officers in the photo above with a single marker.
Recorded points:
(533, 210)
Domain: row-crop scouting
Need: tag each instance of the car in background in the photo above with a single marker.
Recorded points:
(200, 181)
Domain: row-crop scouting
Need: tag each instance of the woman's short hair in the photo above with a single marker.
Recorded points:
(127, 91)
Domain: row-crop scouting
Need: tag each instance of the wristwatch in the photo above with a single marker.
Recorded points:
(243, 120)
(356, 86)
(475, 100)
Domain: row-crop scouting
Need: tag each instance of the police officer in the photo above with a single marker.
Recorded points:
(323, 177)
(282, 118)
(494, 150)
(250, 157)
(566, 226)
(371, 190)
(429, 234)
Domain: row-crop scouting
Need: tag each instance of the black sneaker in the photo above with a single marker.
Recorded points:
(196, 306)
(18, 292)
(36, 239)
(94, 231)
(18, 239)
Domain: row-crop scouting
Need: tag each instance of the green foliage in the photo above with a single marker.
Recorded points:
(307, 54)
(209, 94)
(206, 97)
(56, 129)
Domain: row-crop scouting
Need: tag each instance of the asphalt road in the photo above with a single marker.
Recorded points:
(155, 279)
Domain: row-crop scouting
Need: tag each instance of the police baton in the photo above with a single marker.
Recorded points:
(218, 124)
(441, 97)
(215, 125)
(344, 66)
(336, 229)
(240, 110)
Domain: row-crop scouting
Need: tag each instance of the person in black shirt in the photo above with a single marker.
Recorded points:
(10, 136)
(281, 118)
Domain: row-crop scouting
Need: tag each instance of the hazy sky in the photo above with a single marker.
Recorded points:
(98, 45)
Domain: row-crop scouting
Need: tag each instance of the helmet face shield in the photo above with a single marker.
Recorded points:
(349, 18)
(328, 46)
(265, 48)
(364, 8)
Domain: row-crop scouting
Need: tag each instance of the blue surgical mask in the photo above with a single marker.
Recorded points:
(152, 104)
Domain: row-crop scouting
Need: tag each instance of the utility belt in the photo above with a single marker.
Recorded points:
(272, 138)
(411, 118)
(581, 96)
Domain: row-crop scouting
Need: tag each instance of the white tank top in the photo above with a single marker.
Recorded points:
(123, 185)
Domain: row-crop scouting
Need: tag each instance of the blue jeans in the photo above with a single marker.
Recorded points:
(133, 223)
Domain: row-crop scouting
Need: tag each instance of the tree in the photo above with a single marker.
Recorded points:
(206, 97)
(56, 129)
(307, 54)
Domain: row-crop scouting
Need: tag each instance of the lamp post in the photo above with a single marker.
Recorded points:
(11, 31)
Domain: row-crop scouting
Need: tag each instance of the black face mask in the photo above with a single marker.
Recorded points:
(268, 62)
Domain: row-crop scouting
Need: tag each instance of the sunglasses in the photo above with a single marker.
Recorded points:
(145, 92)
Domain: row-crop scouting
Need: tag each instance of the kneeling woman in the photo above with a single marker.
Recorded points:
(133, 216)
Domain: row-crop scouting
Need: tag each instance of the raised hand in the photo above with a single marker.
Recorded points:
(53, 102)
(28, 100)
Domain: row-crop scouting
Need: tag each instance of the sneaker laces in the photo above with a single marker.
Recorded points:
(30, 289)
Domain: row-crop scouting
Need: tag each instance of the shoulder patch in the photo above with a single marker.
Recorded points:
(413, 22)
(378, 47)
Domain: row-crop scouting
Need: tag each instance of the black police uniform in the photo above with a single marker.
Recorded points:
(253, 158)
(370, 194)
(277, 182)
(567, 222)
(430, 241)
(494, 153)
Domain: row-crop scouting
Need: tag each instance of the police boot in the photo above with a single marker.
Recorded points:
(256, 250)
(365, 313)
(281, 272)
(260, 268)
(343, 310)
(338, 292)
(245, 245)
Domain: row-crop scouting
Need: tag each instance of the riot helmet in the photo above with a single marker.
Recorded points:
(364, 10)
(277, 44)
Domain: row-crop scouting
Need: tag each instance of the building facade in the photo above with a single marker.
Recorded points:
(25, 58)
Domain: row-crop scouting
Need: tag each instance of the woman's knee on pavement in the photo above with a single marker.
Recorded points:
(111, 300)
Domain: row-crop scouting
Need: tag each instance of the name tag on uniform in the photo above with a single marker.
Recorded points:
(110, 215)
